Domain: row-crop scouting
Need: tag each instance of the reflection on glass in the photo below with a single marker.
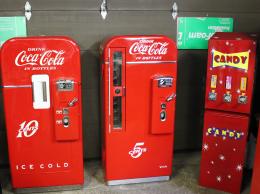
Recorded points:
(117, 107)
(117, 72)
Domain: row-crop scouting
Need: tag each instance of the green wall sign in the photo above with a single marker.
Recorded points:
(11, 27)
(194, 32)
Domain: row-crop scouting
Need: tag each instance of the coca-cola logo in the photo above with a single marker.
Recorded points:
(28, 129)
(149, 47)
(42, 58)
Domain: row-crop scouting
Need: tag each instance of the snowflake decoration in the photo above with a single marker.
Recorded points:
(239, 167)
(224, 137)
(212, 162)
(229, 176)
(216, 145)
(234, 149)
(215, 135)
(207, 134)
(218, 178)
(205, 147)
(222, 157)
(208, 172)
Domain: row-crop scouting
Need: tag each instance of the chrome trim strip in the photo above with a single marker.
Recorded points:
(138, 180)
(149, 62)
(109, 87)
(17, 86)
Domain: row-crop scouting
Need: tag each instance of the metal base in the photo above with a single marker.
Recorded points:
(48, 189)
(138, 180)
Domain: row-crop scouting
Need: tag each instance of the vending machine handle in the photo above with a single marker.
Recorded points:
(73, 102)
(171, 97)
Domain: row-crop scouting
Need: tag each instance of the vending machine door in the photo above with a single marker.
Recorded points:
(163, 96)
(223, 150)
(66, 109)
(117, 89)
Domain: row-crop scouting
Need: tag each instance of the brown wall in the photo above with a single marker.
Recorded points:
(81, 20)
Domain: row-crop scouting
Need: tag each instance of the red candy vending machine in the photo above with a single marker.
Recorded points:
(42, 102)
(229, 88)
(139, 89)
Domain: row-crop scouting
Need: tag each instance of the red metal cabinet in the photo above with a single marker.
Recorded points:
(138, 89)
(230, 72)
(42, 102)
(223, 150)
(228, 99)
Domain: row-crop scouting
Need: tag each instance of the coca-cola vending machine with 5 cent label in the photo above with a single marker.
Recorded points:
(138, 88)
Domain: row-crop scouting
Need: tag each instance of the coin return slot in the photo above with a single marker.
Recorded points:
(65, 111)
(65, 121)
(242, 99)
(163, 106)
(163, 115)
(227, 98)
(212, 96)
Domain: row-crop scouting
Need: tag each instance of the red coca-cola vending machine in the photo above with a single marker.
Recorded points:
(42, 102)
(229, 88)
(139, 90)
